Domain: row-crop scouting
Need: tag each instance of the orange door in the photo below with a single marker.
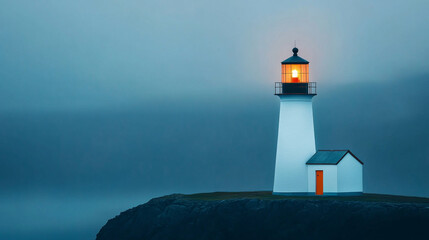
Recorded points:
(319, 182)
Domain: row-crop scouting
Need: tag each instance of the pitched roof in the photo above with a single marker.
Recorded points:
(295, 60)
(329, 157)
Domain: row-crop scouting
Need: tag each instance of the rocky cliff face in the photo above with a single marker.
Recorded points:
(182, 217)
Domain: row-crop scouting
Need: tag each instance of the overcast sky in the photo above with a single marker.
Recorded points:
(104, 104)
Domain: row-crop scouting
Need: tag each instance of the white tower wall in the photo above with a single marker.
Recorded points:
(295, 144)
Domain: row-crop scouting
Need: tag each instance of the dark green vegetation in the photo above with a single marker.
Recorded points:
(261, 215)
(265, 195)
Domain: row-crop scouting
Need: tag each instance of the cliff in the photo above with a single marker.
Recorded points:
(259, 215)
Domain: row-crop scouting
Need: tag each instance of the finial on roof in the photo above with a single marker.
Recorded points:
(295, 51)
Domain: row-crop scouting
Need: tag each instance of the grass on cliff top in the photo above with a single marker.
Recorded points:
(266, 195)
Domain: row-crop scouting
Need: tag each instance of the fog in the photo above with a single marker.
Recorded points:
(106, 104)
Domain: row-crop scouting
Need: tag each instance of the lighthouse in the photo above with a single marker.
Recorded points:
(299, 168)
(295, 140)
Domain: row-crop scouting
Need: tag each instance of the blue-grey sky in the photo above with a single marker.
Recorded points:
(104, 104)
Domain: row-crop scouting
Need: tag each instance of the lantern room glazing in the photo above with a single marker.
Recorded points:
(295, 69)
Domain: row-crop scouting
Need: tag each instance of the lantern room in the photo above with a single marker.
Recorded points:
(295, 69)
(295, 79)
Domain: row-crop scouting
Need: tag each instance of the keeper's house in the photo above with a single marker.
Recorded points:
(334, 172)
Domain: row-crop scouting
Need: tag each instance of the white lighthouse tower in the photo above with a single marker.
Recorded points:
(296, 143)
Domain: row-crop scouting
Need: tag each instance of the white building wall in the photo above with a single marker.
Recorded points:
(329, 178)
(295, 143)
(350, 175)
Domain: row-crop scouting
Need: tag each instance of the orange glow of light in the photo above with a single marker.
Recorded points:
(295, 73)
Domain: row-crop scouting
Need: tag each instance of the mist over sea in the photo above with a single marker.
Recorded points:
(65, 174)
(106, 104)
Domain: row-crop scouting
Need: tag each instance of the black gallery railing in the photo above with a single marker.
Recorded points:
(295, 88)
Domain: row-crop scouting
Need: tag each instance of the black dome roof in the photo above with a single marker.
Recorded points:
(295, 59)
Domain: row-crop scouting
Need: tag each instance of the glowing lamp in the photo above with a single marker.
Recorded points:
(295, 78)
